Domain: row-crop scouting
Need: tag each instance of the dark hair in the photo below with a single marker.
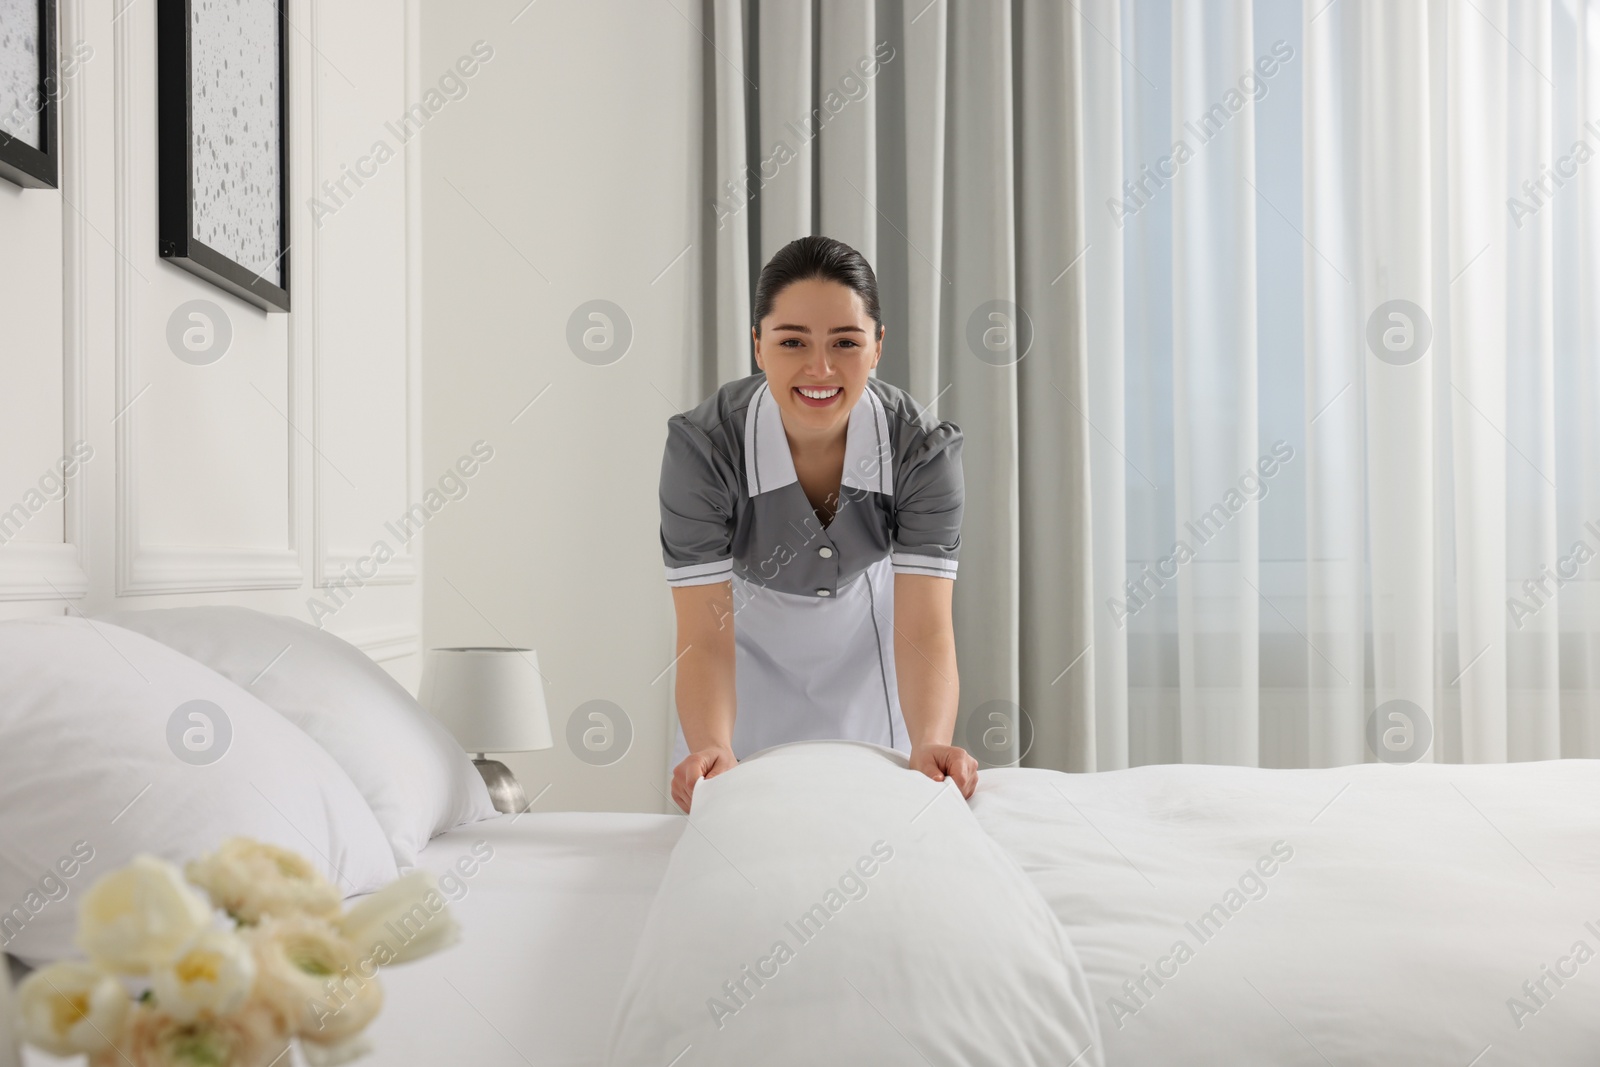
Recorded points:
(816, 257)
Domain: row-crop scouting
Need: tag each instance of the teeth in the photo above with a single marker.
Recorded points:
(819, 394)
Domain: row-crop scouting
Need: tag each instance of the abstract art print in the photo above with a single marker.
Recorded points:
(223, 118)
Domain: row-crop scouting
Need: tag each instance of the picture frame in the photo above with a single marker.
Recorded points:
(30, 154)
(222, 114)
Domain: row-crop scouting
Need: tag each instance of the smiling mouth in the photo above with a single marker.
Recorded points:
(818, 396)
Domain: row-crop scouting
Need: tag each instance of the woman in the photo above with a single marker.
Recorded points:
(789, 500)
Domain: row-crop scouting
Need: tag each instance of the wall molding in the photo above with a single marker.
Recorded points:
(149, 569)
(327, 564)
(183, 569)
(39, 570)
(60, 571)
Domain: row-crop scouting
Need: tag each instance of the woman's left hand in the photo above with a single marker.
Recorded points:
(946, 761)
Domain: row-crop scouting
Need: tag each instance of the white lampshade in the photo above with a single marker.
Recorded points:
(491, 699)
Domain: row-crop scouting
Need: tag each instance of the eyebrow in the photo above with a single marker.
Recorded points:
(807, 329)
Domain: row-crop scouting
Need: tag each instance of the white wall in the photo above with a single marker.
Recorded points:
(568, 172)
(258, 478)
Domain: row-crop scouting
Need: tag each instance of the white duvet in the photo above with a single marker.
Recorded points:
(1424, 915)
(827, 905)
(1368, 915)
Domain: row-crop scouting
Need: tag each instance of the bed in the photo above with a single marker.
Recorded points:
(1375, 914)
(1415, 904)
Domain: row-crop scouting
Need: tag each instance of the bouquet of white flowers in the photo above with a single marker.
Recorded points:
(168, 983)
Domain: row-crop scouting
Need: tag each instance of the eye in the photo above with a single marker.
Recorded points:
(790, 342)
(848, 341)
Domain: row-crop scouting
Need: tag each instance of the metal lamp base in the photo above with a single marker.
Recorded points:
(504, 789)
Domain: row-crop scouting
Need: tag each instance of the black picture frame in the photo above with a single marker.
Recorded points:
(175, 155)
(21, 163)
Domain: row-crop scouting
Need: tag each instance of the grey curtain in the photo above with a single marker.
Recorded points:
(947, 142)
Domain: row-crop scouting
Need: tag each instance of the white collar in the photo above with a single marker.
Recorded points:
(868, 452)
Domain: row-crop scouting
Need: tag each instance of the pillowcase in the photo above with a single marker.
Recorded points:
(409, 768)
(112, 745)
(826, 904)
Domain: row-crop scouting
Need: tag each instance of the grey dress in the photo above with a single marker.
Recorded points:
(813, 606)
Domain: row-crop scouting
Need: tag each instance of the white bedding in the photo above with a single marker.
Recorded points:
(1414, 906)
(1416, 903)
(548, 926)
(827, 904)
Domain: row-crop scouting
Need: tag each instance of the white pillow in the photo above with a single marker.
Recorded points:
(93, 719)
(826, 904)
(415, 776)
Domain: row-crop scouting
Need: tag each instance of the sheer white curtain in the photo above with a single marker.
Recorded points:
(1420, 339)
(1287, 452)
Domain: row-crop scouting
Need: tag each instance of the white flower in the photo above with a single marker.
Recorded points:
(405, 920)
(253, 1036)
(137, 917)
(313, 979)
(213, 973)
(71, 1007)
(251, 880)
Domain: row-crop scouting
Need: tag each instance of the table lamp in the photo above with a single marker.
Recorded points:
(491, 699)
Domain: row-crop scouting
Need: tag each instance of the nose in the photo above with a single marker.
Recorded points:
(818, 363)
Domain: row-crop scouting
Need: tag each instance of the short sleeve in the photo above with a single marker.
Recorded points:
(698, 490)
(928, 498)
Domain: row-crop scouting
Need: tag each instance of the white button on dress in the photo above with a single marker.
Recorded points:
(825, 552)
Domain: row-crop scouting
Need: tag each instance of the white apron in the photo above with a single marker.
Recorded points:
(814, 668)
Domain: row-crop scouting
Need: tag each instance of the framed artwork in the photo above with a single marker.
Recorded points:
(29, 153)
(222, 88)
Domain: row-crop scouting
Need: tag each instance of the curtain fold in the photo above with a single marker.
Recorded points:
(982, 335)
(918, 122)
(1527, 689)
(1274, 332)
(1142, 209)
(1100, 263)
(848, 184)
(1056, 486)
(731, 187)
(784, 143)
(1580, 395)
(1334, 400)
(1477, 348)
(1215, 557)
(1396, 287)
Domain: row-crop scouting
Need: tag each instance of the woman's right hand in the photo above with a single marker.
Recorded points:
(706, 763)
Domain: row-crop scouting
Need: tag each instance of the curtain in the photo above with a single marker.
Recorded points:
(1273, 331)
